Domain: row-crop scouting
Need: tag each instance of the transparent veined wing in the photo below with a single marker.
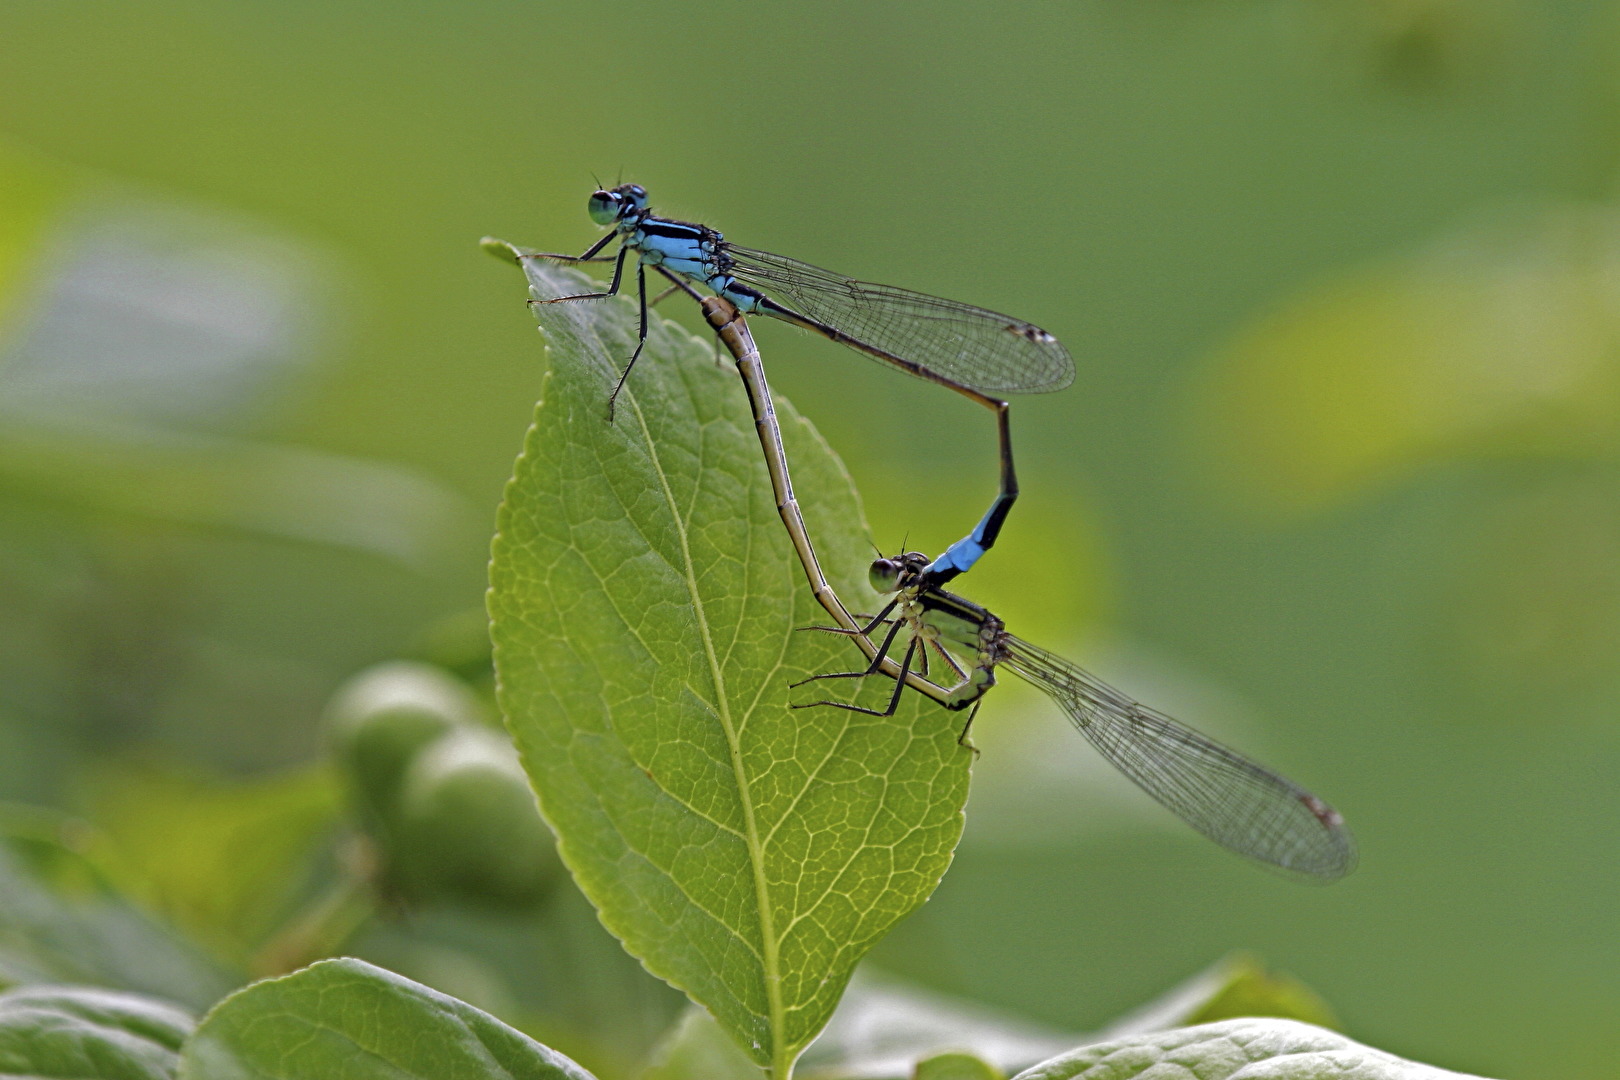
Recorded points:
(1234, 801)
(986, 350)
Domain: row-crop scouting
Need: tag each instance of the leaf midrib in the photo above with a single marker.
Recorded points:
(769, 959)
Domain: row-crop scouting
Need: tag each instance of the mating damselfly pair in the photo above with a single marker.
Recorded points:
(979, 353)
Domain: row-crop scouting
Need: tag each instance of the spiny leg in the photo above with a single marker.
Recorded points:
(880, 619)
(962, 739)
(876, 621)
(589, 256)
(680, 285)
(872, 669)
(676, 282)
(557, 256)
(641, 341)
(612, 289)
(961, 672)
(857, 632)
(894, 699)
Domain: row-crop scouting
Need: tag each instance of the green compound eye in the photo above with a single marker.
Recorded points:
(604, 207)
(884, 574)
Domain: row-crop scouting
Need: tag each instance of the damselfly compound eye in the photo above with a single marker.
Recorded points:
(884, 574)
(604, 207)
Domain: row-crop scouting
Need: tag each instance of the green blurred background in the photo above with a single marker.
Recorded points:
(1339, 479)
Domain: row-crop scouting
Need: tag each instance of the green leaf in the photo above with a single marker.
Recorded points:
(956, 1066)
(1360, 382)
(32, 194)
(222, 859)
(884, 1027)
(1238, 985)
(1248, 1049)
(644, 599)
(82, 1034)
(231, 486)
(697, 1049)
(77, 929)
(346, 1018)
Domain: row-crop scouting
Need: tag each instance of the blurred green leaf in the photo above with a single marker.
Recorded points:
(30, 193)
(1498, 340)
(884, 1027)
(1234, 987)
(78, 1033)
(459, 642)
(1427, 45)
(221, 858)
(53, 847)
(151, 322)
(956, 1066)
(1527, 609)
(347, 1018)
(556, 973)
(156, 311)
(1235, 1050)
(232, 485)
(97, 937)
(644, 599)
(698, 1049)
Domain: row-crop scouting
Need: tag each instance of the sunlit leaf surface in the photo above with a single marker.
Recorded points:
(346, 1018)
(1235, 1050)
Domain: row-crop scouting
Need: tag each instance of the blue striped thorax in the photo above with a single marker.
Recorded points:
(680, 247)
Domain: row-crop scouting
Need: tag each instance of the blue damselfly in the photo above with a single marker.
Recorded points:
(976, 352)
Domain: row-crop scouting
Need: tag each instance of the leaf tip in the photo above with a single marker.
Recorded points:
(502, 250)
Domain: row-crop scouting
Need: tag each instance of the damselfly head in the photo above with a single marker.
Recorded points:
(606, 207)
(892, 575)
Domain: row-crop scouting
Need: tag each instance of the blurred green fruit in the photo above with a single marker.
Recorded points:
(467, 827)
(380, 719)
